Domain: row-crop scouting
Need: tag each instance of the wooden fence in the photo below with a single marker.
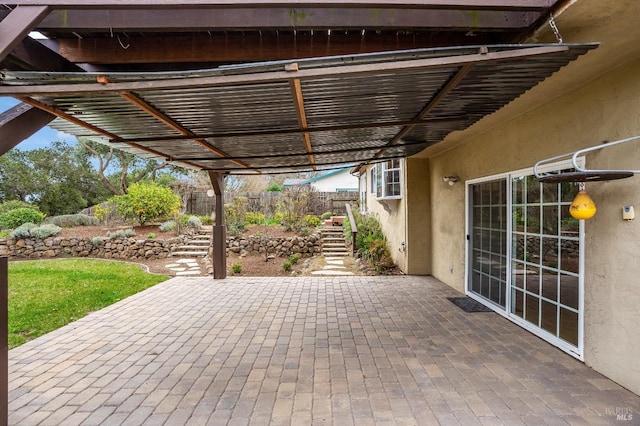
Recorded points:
(267, 202)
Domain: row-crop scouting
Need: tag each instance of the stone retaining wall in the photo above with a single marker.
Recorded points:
(279, 246)
(117, 248)
(135, 248)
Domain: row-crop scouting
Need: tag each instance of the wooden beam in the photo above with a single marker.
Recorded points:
(277, 76)
(18, 24)
(153, 111)
(219, 241)
(146, 20)
(415, 4)
(298, 100)
(20, 122)
(30, 54)
(247, 47)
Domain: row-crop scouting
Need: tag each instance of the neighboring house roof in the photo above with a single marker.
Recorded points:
(293, 182)
(296, 182)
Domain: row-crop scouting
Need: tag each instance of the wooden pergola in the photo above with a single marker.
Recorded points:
(236, 86)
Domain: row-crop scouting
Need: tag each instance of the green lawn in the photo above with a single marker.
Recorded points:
(45, 295)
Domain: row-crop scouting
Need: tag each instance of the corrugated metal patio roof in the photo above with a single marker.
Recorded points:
(312, 114)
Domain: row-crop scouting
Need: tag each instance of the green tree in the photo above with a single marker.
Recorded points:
(147, 202)
(58, 179)
(117, 169)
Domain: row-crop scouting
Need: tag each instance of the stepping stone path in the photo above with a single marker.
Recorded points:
(333, 266)
(184, 267)
(334, 250)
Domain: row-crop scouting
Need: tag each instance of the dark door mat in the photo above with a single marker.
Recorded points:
(468, 304)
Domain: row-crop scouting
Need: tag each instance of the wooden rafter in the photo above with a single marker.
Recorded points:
(298, 100)
(451, 84)
(70, 118)
(153, 111)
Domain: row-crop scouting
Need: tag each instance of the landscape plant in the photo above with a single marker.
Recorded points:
(16, 204)
(121, 233)
(14, 218)
(147, 202)
(29, 230)
(73, 220)
(236, 268)
(370, 242)
(235, 215)
(169, 225)
(286, 266)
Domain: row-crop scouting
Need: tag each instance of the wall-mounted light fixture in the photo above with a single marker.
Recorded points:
(450, 179)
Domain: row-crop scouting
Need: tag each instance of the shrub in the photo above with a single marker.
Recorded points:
(254, 218)
(326, 215)
(121, 233)
(194, 222)
(14, 218)
(274, 187)
(151, 236)
(312, 220)
(235, 215)
(146, 202)
(286, 266)
(167, 226)
(236, 268)
(16, 204)
(206, 220)
(97, 241)
(293, 259)
(100, 212)
(71, 220)
(303, 232)
(30, 230)
(22, 231)
(370, 241)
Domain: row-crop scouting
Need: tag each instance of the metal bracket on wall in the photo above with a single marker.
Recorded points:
(581, 174)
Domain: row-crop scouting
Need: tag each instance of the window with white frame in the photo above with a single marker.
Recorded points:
(387, 178)
(363, 193)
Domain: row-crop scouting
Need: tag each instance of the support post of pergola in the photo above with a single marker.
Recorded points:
(4, 340)
(219, 255)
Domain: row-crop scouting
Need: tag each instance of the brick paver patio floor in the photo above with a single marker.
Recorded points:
(317, 350)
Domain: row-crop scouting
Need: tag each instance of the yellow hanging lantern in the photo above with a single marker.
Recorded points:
(582, 207)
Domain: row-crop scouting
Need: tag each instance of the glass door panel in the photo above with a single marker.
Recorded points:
(545, 243)
(488, 241)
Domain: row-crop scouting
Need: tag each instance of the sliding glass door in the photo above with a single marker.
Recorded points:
(524, 255)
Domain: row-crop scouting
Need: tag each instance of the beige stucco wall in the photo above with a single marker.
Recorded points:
(391, 214)
(603, 110)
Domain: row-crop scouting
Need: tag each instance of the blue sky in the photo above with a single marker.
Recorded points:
(41, 138)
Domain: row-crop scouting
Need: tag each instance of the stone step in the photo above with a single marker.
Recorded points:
(189, 253)
(335, 254)
(200, 240)
(192, 246)
(332, 245)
